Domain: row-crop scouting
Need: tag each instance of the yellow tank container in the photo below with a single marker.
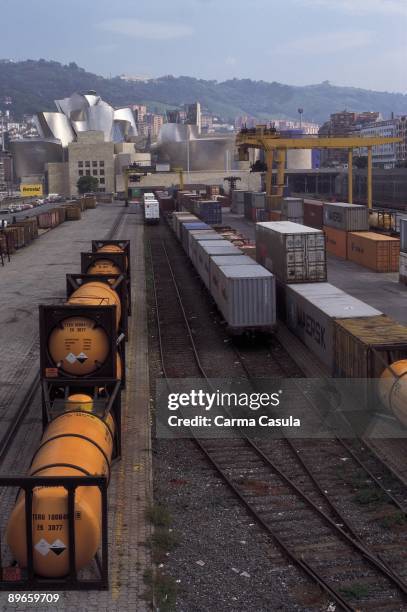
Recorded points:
(78, 346)
(97, 294)
(393, 389)
(69, 455)
(112, 248)
(105, 267)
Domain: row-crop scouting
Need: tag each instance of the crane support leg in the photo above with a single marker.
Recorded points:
(269, 175)
(369, 178)
(350, 176)
(281, 171)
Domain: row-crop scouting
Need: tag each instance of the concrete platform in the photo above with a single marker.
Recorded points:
(382, 291)
(38, 272)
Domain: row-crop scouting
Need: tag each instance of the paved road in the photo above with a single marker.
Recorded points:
(31, 212)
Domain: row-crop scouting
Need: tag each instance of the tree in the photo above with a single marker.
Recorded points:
(87, 184)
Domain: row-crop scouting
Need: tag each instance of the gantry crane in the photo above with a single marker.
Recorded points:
(270, 141)
(133, 172)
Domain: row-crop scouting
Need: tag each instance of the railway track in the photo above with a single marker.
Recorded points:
(290, 504)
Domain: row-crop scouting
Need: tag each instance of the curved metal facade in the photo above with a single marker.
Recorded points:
(84, 112)
(31, 155)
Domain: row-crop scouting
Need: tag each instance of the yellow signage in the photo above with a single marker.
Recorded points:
(31, 191)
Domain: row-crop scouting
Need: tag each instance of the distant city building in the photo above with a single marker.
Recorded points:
(140, 111)
(387, 155)
(193, 115)
(206, 123)
(343, 124)
(6, 171)
(79, 139)
(90, 155)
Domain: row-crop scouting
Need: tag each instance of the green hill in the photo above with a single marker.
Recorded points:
(34, 85)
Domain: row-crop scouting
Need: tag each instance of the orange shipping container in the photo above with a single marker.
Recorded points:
(275, 215)
(374, 251)
(336, 242)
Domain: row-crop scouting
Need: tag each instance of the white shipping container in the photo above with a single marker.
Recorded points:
(245, 295)
(237, 204)
(151, 211)
(294, 253)
(184, 218)
(347, 217)
(196, 236)
(292, 208)
(312, 309)
(162, 167)
(207, 249)
(217, 261)
(259, 199)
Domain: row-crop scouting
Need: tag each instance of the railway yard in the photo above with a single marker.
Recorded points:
(196, 522)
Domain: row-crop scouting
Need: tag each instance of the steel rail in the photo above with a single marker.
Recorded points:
(367, 554)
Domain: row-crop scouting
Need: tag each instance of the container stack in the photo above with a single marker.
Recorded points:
(340, 218)
(29, 227)
(312, 311)
(165, 201)
(73, 212)
(209, 211)
(403, 251)
(237, 204)
(293, 252)
(243, 291)
(254, 206)
(292, 209)
(376, 252)
(314, 214)
(205, 250)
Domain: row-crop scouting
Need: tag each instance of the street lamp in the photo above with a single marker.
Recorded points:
(300, 112)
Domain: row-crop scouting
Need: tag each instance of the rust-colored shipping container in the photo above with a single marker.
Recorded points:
(30, 228)
(9, 236)
(3, 244)
(374, 251)
(336, 241)
(61, 212)
(105, 198)
(49, 219)
(166, 203)
(275, 215)
(314, 214)
(17, 234)
(89, 201)
(365, 346)
(73, 212)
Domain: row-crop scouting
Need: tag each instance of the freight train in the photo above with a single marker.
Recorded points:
(244, 291)
(350, 338)
(82, 371)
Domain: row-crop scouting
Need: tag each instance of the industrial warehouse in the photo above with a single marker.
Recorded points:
(203, 306)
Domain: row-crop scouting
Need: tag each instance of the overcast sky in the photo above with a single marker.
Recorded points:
(362, 43)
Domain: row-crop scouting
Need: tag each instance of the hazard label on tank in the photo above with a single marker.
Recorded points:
(57, 547)
(82, 357)
(70, 358)
(42, 547)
